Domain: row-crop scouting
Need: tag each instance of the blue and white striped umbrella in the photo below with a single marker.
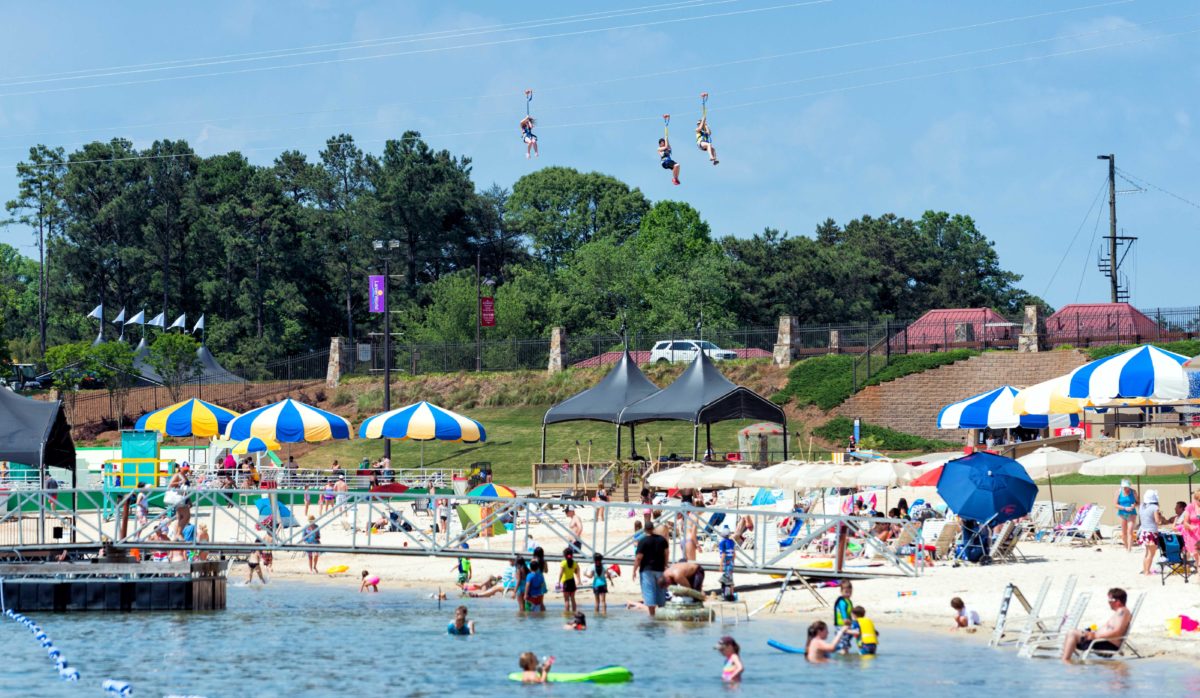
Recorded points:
(1142, 372)
(422, 422)
(995, 410)
(289, 421)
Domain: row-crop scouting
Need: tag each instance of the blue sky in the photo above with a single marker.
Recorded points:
(819, 109)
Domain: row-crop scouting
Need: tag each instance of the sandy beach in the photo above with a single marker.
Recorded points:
(920, 602)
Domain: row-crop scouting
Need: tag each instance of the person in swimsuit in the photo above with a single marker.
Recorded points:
(685, 574)
(664, 155)
(327, 498)
(864, 629)
(842, 614)
(1109, 637)
(601, 496)
(1127, 511)
(578, 622)
(527, 135)
(254, 564)
(1150, 518)
(522, 572)
(143, 505)
(704, 141)
(535, 586)
(733, 669)
(532, 671)
(312, 536)
(818, 647)
(600, 576)
(460, 625)
(1190, 526)
(369, 581)
(568, 577)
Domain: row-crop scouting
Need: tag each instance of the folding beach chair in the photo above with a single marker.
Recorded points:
(1050, 643)
(1005, 547)
(945, 540)
(1124, 648)
(1172, 559)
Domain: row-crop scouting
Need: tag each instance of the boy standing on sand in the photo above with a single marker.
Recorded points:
(843, 615)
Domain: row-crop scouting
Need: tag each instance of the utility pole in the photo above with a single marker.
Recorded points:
(478, 311)
(1113, 280)
(385, 247)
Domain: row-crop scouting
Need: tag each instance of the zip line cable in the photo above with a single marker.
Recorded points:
(654, 74)
(439, 49)
(362, 44)
(1138, 181)
(1096, 243)
(1082, 223)
(742, 105)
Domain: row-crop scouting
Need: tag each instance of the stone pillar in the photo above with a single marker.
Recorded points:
(835, 342)
(783, 354)
(558, 350)
(333, 371)
(1031, 337)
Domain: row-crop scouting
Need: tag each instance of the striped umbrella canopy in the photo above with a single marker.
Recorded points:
(492, 490)
(1141, 372)
(289, 421)
(254, 445)
(1048, 397)
(188, 418)
(995, 410)
(422, 421)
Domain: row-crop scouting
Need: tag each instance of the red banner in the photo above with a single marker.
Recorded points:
(487, 312)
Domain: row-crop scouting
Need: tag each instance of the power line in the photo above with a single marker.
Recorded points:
(394, 54)
(709, 66)
(181, 64)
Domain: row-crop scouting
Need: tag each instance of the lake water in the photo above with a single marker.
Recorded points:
(296, 639)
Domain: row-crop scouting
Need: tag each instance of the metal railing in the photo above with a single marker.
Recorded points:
(771, 542)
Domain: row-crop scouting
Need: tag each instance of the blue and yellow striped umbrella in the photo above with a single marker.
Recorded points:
(188, 418)
(254, 445)
(288, 421)
(422, 422)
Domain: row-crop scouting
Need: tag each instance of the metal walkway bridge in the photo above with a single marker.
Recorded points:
(39, 525)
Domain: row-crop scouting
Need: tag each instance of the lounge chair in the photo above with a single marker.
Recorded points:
(1004, 549)
(1049, 643)
(1173, 558)
(1084, 526)
(945, 540)
(1124, 648)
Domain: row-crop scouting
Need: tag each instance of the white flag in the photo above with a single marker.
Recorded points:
(120, 317)
(139, 319)
(199, 325)
(180, 322)
(156, 321)
(98, 312)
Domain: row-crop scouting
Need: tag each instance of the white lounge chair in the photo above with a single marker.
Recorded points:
(1049, 643)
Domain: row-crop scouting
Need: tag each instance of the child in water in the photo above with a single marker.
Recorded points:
(460, 625)
(843, 615)
(535, 586)
(369, 581)
(579, 622)
(532, 672)
(600, 576)
(732, 671)
(864, 629)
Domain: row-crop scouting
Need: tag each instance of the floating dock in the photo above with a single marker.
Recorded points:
(114, 586)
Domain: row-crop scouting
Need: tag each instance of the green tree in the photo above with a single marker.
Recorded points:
(70, 364)
(112, 362)
(39, 206)
(173, 357)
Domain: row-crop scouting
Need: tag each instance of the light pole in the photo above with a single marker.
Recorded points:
(479, 284)
(385, 248)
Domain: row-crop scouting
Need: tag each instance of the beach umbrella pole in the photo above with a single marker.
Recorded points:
(1053, 511)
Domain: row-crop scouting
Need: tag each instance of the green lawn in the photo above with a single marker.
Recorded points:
(1116, 480)
(514, 443)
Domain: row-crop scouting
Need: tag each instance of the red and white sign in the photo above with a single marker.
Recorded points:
(487, 312)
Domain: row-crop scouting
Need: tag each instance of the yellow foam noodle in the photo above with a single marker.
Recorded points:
(337, 569)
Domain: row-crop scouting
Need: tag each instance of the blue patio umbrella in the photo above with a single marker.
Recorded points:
(987, 487)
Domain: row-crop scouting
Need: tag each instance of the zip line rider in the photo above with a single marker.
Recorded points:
(703, 133)
(664, 151)
(527, 124)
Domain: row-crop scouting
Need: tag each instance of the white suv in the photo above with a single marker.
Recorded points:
(686, 349)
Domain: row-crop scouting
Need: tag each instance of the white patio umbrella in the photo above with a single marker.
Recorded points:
(1138, 461)
(935, 458)
(818, 475)
(689, 476)
(1049, 462)
(881, 473)
(1191, 447)
(774, 475)
(732, 475)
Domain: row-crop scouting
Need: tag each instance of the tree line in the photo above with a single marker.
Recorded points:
(277, 255)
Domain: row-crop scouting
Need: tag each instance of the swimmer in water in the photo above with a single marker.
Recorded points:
(532, 672)
(460, 625)
(818, 647)
(729, 649)
(579, 622)
(369, 581)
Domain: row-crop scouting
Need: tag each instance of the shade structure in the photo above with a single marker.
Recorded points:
(986, 487)
(1049, 462)
(1190, 447)
(34, 432)
(1141, 372)
(254, 444)
(489, 489)
(938, 457)
(818, 475)
(289, 421)
(689, 476)
(1048, 397)
(1138, 461)
(422, 421)
(732, 475)
(927, 475)
(880, 473)
(624, 385)
(994, 410)
(471, 514)
(773, 476)
(188, 418)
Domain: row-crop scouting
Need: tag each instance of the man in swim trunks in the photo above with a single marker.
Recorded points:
(576, 525)
(685, 574)
(1110, 635)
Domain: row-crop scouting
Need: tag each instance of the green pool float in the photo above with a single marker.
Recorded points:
(607, 674)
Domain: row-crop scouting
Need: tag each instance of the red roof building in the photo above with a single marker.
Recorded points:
(951, 328)
(1100, 323)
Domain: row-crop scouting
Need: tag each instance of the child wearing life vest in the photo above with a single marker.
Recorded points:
(863, 628)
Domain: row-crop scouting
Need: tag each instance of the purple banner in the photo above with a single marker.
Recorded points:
(378, 294)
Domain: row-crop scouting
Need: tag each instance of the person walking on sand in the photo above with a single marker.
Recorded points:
(576, 525)
(1127, 511)
(1109, 636)
(312, 536)
(649, 563)
(818, 646)
(1149, 519)
(647, 511)
(733, 669)
(369, 581)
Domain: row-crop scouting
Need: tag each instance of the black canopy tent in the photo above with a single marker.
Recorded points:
(35, 433)
(702, 395)
(624, 385)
